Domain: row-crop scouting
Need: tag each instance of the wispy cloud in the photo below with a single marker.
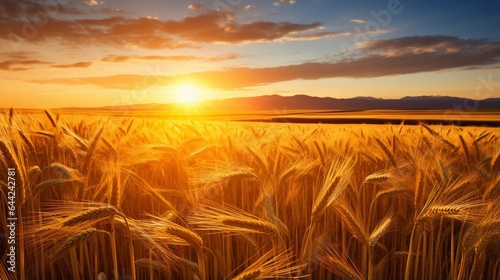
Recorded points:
(93, 2)
(23, 61)
(438, 45)
(195, 6)
(355, 20)
(83, 64)
(125, 58)
(281, 2)
(20, 65)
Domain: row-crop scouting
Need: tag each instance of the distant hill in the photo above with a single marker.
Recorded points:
(306, 102)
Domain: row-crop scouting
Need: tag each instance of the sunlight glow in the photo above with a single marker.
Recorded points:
(187, 94)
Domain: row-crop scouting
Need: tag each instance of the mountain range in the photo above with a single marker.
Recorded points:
(306, 102)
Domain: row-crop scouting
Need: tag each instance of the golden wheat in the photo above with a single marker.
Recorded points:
(221, 200)
(92, 215)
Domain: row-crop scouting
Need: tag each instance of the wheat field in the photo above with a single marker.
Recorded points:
(113, 197)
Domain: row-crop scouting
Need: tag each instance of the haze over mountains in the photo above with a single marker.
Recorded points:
(306, 102)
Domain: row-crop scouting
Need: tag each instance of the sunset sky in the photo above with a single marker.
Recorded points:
(62, 53)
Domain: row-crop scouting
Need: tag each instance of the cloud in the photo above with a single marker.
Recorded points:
(149, 32)
(195, 6)
(22, 61)
(222, 57)
(37, 12)
(19, 61)
(124, 58)
(108, 11)
(84, 64)
(319, 35)
(374, 63)
(19, 55)
(93, 2)
(281, 2)
(360, 21)
(40, 12)
(437, 44)
(20, 65)
(30, 64)
(221, 27)
(113, 31)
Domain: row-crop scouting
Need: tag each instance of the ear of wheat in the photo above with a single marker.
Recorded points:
(76, 238)
(91, 216)
(377, 178)
(51, 118)
(383, 227)
(271, 265)
(330, 257)
(230, 219)
(388, 152)
(335, 182)
(161, 224)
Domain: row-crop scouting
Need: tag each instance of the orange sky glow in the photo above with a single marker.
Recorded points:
(77, 53)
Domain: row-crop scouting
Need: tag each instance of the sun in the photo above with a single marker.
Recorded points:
(187, 94)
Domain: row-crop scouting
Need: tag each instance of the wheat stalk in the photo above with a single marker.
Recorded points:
(42, 185)
(271, 265)
(92, 216)
(466, 150)
(260, 161)
(393, 191)
(51, 119)
(351, 219)
(380, 230)
(255, 226)
(430, 130)
(230, 218)
(331, 258)
(377, 178)
(46, 134)
(65, 171)
(11, 115)
(90, 151)
(189, 236)
(453, 147)
(444, 170)
(446, 209)
(149, 263)
(495, 162)
(79, 140)
(34, 175)
(27, 141)
(249, 275)
(324, 199)
(77, 238)
(336, 181)
(129, 126)
(389, 154)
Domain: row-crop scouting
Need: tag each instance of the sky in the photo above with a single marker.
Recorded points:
(91, 53)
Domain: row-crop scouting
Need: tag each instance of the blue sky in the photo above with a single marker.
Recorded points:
(99, 53)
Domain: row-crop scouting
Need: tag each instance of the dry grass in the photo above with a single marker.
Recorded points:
(138, 198)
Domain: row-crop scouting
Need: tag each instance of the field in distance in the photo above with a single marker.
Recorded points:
(457, 117)
(155, 196)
